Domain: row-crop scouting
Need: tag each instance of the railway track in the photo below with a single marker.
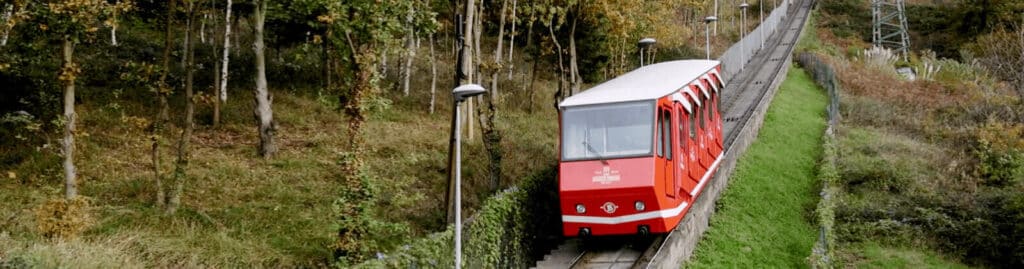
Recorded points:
(740, 99)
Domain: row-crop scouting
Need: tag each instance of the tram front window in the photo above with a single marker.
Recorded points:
(607, 131)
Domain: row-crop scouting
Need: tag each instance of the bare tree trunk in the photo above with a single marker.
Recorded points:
(216, 69)
(433, 74)
(113, 26)
(181, 165)
(488, 119)
(410, 49)
(202, 28)
(574, 70)
(533, 79)
(8, 16)
(162, 116)
(68, 75)
(561, 67)
(328, 61)
(263, 112)
(512, 39)
(227, 54)
(496, 67)
(1020, 66)
(409, 56)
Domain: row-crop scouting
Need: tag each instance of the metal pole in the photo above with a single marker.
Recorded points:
(458, 189)
(707, 41)
(459, 76)
(641, 57)
(743, 33)
(760, 6)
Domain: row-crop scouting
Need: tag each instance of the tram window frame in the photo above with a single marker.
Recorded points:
(666, 136)
(659, 137)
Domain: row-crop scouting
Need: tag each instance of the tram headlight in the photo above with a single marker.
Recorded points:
(640, 206)
(581, 209)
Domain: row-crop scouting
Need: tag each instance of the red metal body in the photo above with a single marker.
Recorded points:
(687, 147)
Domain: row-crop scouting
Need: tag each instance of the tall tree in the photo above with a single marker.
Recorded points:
(71, 21)
(162, 117)
(263, 113)
(492, 135)
(184, 141)
(223, 96)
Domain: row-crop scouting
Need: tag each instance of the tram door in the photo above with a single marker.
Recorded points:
(667, 146)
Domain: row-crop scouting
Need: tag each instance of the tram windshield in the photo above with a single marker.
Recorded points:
(607, 131)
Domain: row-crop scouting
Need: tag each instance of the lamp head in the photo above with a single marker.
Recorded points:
(646, 42)
(744, 6)
(468, 90)
(710, 19)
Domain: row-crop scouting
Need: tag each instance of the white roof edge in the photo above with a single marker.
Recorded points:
(645, 83)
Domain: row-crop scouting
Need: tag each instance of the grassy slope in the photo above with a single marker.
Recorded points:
(873, 255)
(761, 219)
(241, 211)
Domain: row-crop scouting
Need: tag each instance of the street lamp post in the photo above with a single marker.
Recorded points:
(707, 35)
(743, 33)
(760, 6)
(460, 94)
(645, 44)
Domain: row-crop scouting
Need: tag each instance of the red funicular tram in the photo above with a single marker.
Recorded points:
(637, 150)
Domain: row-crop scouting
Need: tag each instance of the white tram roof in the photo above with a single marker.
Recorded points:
(645, 83)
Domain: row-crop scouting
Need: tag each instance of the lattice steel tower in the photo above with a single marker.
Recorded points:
(890, 26)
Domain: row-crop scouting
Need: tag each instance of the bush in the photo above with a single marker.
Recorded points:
(63, 218)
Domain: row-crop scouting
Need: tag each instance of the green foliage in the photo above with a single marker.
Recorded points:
(823, 253)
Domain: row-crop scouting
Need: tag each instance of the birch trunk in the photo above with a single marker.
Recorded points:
(181, 165)
(113, 25)
(433, 73)
(496, 68)
(8, 16)
(226, 55)
(263, 112)
(202, 28)
(68, 75)
(409, 56)
(512, 39)
(410, 49)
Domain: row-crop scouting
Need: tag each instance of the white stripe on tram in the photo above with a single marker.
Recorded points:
(665, 213)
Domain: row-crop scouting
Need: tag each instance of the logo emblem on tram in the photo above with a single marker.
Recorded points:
(606, 175)
(609, 207)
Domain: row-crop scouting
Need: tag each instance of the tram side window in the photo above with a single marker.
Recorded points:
(661, 131)
(683, 128)
(666, 134)
(693, 125)
(702, 115)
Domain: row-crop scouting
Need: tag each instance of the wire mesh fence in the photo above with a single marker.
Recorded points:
(825, 77)
(736, 57)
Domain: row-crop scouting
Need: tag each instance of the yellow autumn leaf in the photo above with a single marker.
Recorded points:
(11, 175)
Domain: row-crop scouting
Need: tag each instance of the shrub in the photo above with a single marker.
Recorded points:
(63, 218)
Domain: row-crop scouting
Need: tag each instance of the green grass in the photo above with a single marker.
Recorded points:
(763, 217)
(873, 255)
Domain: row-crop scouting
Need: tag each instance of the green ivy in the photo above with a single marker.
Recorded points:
(509, 231)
